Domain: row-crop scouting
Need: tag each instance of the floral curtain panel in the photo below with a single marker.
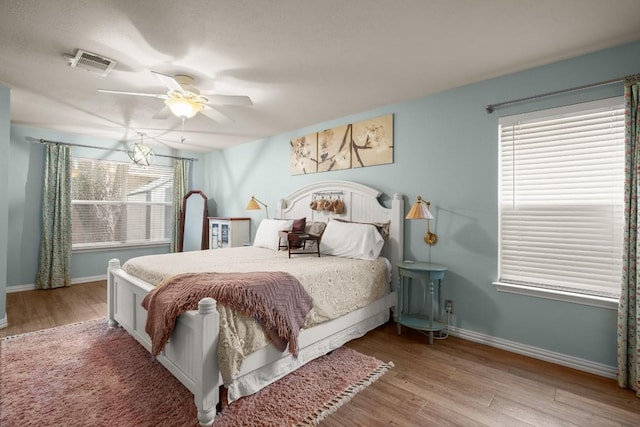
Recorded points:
(54, 269)
(180, 189)
(629, 307)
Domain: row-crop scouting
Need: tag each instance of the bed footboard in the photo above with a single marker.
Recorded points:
(190, 354)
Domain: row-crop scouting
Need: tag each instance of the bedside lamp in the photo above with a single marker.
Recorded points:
(420, 210)
(253, 205)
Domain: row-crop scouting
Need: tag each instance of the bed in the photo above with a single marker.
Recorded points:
(191, 352)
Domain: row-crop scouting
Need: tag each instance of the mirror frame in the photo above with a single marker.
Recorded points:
(205, 219)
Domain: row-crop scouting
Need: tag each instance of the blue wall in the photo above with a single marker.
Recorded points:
(25, 203)
(446, 150)
(4, 191)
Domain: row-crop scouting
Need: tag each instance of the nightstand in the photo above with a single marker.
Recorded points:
(228, 232)
(425, 273)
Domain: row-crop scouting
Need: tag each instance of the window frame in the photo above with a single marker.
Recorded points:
(530, 289)
(114, 245)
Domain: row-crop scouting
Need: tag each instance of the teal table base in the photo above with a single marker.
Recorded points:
(425, 274)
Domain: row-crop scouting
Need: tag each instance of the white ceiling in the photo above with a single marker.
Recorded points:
(302, 62)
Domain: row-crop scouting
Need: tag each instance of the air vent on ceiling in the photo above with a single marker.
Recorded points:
(91, 62)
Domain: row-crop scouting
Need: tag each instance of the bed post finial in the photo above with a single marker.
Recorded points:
(206, 305)
(114, 264)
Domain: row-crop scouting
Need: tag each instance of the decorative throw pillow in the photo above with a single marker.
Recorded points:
(268, 233)
(314, 227)
(352, 240)
(298, 227)
(299, 224)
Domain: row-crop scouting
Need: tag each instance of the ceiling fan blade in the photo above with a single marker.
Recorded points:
(165, 113)
(215, 115)
(229, 100)
(119, 92)
(168, 81)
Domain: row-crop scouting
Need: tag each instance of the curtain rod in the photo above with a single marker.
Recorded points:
(490, 107)
(45, 141)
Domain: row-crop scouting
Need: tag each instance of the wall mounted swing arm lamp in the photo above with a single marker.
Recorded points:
(420, 210)
(254, 204)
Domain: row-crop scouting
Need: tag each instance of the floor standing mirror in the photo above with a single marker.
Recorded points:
(193, 222)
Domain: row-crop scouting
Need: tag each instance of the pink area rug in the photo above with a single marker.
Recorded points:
(90, 375)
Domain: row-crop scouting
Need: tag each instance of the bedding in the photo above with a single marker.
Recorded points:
(337, 285)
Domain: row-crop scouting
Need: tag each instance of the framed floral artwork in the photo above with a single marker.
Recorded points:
(334, 149)
(304, 154)
(372, 142)
(365, 143)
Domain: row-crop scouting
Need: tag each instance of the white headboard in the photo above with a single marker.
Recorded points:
(361, 204)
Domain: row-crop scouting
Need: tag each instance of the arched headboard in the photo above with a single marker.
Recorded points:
(362, 204)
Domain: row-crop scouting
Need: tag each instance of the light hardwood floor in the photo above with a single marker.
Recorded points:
(40, 309)
(454, 382)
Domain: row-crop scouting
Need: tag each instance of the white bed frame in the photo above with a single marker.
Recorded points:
(191, 355)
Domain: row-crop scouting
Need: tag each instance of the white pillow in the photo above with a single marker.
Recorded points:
(268, 233)
(352, 240)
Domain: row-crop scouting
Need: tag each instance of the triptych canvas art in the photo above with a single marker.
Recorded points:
(365, 143)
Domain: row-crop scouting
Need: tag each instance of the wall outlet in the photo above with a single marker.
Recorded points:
(448, 306)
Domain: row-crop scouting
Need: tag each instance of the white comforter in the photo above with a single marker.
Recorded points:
(337, 285)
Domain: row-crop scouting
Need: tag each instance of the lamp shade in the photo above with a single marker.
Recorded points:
(183, 108)
(254, 204)
(419, 210)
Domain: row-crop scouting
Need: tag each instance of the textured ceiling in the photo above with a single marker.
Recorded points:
(301, 62)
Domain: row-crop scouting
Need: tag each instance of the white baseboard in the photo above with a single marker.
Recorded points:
(512, 346)
(20, 288)
(31, 287)
(537, 353)
(88, 279)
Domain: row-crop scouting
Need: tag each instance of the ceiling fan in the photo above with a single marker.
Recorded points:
(185, 101)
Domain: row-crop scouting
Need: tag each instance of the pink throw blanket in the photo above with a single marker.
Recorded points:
(276, 300)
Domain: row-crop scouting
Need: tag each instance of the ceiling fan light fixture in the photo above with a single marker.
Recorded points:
(183, 108)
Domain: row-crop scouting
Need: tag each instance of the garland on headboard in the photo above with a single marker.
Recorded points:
(331, 201)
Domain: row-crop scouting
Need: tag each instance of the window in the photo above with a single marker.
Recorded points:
(118, 204)
(561, 198)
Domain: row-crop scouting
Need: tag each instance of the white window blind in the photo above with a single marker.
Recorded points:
(117, 204)
(561, 198)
